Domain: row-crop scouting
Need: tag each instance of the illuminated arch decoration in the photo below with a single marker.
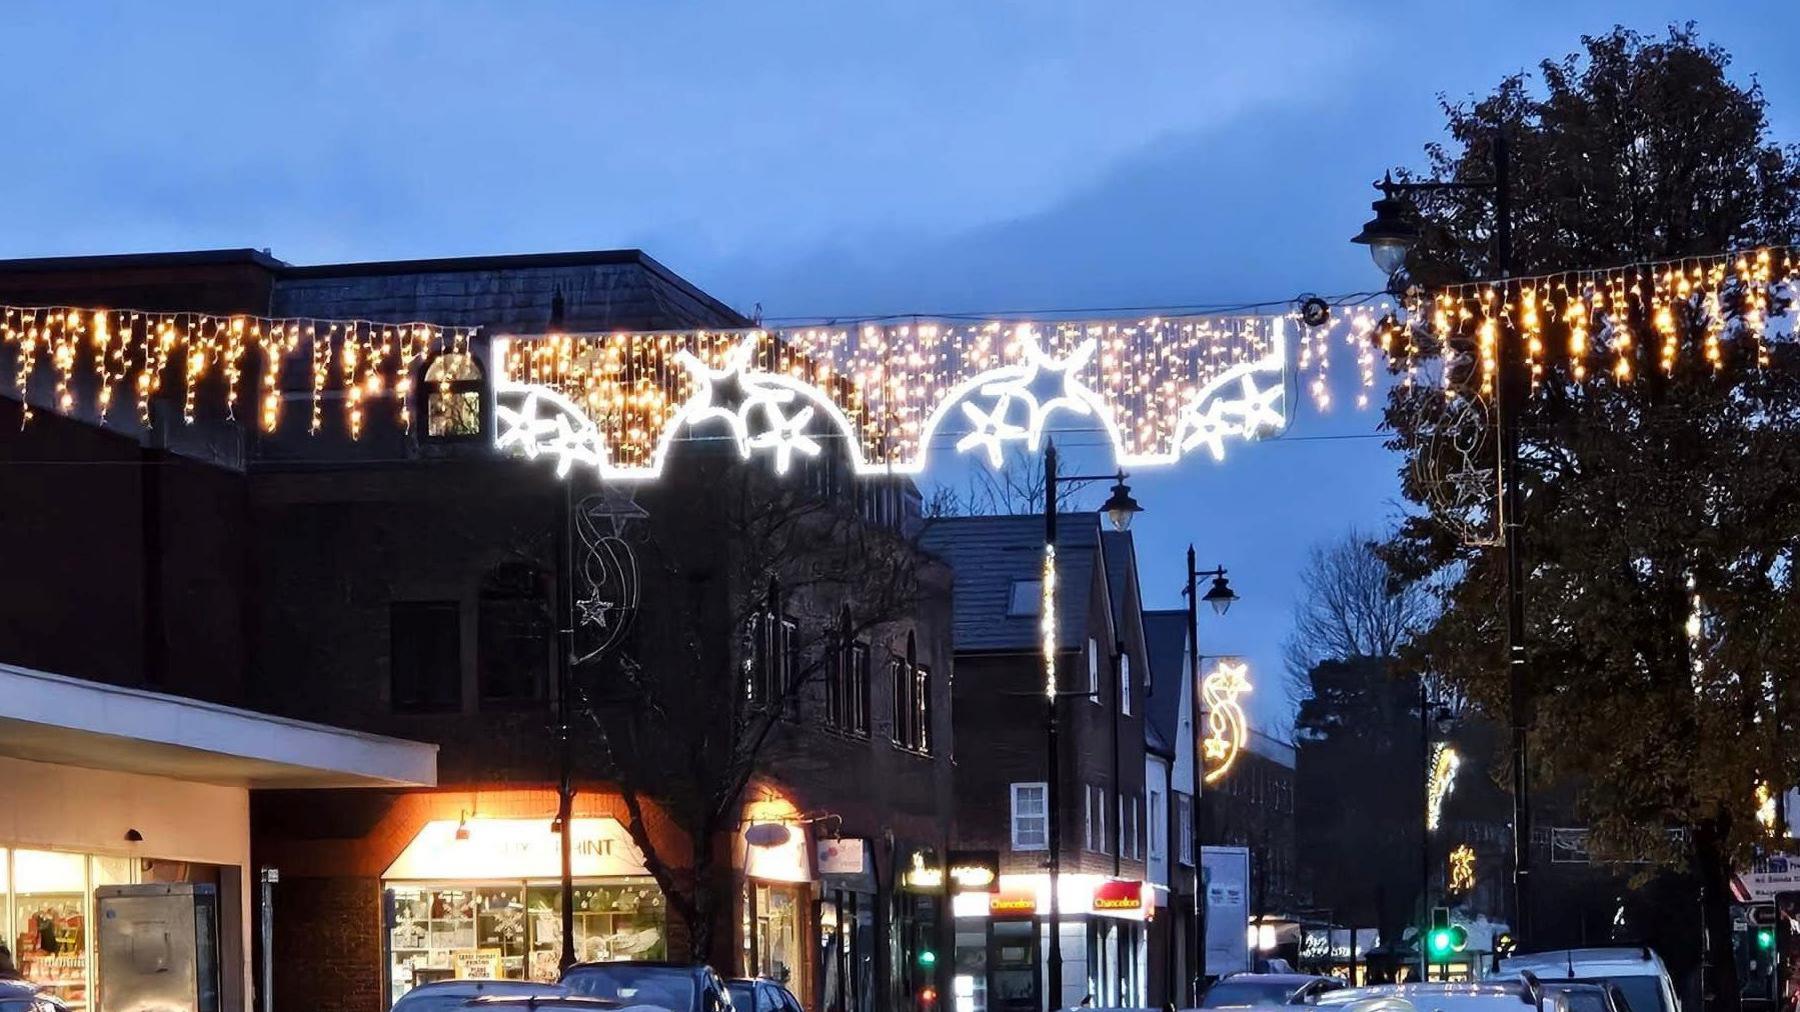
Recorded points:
(1227, 728)
(1157, 389)
(1445, 762)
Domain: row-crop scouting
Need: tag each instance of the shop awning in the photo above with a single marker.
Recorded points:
(56, 719)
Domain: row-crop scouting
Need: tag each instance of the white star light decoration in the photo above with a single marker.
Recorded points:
(780, 417)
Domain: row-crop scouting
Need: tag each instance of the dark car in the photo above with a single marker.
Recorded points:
(551, 1003)
(22, 996)
(1241, 990)
(760, 994)
(677, 987)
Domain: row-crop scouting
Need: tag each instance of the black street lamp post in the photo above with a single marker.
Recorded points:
(1119, 508)
(1389, 237)
(1220, 596)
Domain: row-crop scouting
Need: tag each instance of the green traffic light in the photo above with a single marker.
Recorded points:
(927, 957)
(1765, 938)
(1440, 942)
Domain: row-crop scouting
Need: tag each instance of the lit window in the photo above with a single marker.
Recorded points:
(453, 397)
(1030, 816)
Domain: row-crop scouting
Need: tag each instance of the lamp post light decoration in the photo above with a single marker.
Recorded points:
(1219, 597)
(1461, 879)
(1226, 725)
(1445, 762)
(1119, 509)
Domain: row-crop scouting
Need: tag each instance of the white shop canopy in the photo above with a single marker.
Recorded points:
(70, 721)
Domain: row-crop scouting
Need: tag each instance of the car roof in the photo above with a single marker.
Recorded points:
(486, 986)
(1616, 960)
(662, 963)
(1426, 990)
(544, 1000)
(1274, 978)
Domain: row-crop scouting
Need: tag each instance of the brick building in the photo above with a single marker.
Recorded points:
(1002, 799)
(408, 583)
(1253, 807)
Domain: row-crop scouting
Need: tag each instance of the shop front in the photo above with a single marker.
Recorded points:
(846, 918)
(482, 897)
(778, 916)
(103, 787)
(1002, 947)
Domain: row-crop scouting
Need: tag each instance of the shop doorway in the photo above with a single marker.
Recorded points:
(1013, 967)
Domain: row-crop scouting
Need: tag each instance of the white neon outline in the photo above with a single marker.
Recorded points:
(1207, 418)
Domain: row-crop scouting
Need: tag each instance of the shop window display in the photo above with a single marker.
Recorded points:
(513, 930)
(44, 899)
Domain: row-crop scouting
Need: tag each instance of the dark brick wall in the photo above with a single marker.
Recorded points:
(1000, 718)
(328, 944)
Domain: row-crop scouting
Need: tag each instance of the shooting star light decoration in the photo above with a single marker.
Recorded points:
(1226, 725)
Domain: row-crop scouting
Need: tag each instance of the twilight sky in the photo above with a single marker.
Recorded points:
(821, 158)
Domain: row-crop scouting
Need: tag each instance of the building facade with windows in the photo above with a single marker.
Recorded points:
(1105, 896)
(412, 582)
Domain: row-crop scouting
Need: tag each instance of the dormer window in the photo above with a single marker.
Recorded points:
(452, 392)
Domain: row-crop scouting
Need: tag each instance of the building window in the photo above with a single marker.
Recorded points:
(847, 684)
(1125, 684)
(911, 688)
(513, 634)
(1030, 816)
(452, 392)
(1158, 824)
(774, 660)
(1184, 829)
(1096, 839)
(425, 656)
(1027, 598)
(1093, 658)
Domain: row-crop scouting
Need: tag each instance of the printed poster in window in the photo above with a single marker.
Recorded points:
(482, 964)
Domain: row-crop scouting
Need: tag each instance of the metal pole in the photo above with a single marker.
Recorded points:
(266, 924)
(1118, 792)
(1424, 834)
(1053, 789)
(565, 756)
(1200, 904)
(1512, 391)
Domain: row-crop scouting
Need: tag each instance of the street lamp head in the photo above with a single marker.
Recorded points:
(1120, 507)
(1388, 235)
(1220, 595)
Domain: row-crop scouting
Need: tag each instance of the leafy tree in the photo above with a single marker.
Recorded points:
(1661, 517)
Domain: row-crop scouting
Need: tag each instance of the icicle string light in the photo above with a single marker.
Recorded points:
(89, 354)
(1710, 313)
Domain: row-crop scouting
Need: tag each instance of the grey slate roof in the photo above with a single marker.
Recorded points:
(988, 554)
(602, 290)
(1165, 637)
(1118, 549)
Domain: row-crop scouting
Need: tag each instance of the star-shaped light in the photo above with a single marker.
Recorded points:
(703, 406)
(594, 610)
(1208, 428)
(1216, 748)
(1070, 392)
(991, 429)
(786, 433)
(1257, 408)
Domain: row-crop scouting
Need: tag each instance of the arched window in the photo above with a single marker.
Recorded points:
(513, 634)
(452, 397)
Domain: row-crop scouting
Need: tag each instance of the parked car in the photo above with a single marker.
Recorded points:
(24, 996)
(1241, 990)
(1485, 996)
(1637, 971)
(1577, 997)
(760, 994)
(551, 1003)
(448, 995)
(676, 987)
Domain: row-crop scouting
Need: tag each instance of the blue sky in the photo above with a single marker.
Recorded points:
(819, 158)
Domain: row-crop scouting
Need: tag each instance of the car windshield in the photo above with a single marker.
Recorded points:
(743, 995)
(1233, 993)
(661, 986)
(1643, 993)
(1582, 999)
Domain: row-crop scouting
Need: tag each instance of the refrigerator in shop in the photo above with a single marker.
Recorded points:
(157, 947)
